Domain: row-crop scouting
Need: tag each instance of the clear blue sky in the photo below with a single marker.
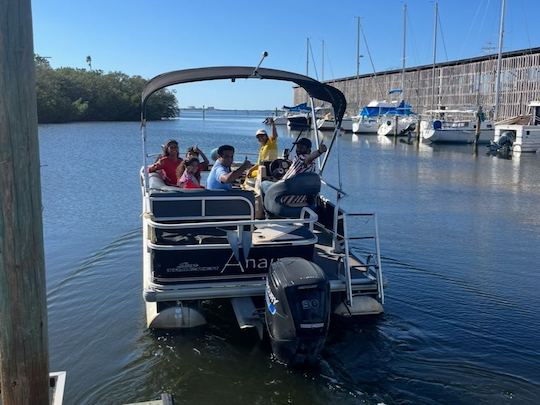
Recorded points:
(151, 37)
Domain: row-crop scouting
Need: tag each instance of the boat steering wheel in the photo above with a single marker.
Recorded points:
(278, 168)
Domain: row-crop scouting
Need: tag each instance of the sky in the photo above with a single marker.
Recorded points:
(148, 38)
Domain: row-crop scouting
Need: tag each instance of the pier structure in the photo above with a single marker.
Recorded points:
(464, 83)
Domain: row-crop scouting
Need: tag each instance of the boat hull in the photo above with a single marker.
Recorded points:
(299, 122)
(365, 127)
(456, 136)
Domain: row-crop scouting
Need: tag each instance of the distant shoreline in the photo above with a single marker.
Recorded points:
(226, 109)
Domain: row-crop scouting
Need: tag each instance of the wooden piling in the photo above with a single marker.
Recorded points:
(478, 123)
(24, 374)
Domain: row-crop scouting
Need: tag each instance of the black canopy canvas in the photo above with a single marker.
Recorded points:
(313, 87)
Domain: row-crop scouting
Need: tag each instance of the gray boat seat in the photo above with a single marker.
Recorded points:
(303, 184)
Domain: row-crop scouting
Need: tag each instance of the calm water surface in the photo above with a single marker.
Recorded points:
(460, 237)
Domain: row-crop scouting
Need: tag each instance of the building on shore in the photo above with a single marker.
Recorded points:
(451, 85)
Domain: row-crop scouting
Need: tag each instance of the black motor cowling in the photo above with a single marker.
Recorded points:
(504, 144)
(297, 310)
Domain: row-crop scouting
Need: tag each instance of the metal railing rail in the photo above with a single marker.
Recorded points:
(310, 220)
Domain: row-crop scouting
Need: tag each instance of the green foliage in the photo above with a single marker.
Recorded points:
(68, 94)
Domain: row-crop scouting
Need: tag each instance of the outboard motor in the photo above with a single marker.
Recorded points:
(297, 310)
(503, 146)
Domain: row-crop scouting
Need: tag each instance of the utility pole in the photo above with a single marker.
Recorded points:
(24, 368)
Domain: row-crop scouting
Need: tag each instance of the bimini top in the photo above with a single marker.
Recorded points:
(314, 88)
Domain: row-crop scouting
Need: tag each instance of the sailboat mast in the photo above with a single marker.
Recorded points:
(499, 62)
(404, 50)
(436, 15)
(358, 61)
(322, 73)
(307, 56)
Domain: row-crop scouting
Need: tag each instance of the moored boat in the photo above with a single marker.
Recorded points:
(372, 115)
(520, 134)
(454, 126)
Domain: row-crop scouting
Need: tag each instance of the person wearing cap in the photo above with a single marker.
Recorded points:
(167, 164)
(304, 162)
(268, 150)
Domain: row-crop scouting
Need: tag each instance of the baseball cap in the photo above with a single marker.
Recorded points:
(261, 132)
(303, 141)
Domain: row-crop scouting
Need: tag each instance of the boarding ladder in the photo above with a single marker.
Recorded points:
(341, 245)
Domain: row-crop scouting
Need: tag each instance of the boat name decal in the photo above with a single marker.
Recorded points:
(186, 266)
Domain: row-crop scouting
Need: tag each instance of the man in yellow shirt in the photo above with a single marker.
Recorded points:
(268, 149)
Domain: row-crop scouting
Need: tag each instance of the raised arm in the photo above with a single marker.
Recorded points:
(201, 153)
(274, 130)
(315, 154)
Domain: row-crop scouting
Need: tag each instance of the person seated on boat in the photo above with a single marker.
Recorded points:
(221, 176)
(194, 152)
(189, 179)
(304, 162)
(268, 150)
(167, 163)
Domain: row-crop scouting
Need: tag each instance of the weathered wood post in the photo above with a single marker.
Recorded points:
(24, 373)
(418, 127)
(395, 126)
(477, 129)
(478, 123)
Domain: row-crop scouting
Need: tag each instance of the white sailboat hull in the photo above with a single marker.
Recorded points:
(455, 136)
(280, 120)
(346, 124)
(365, 126)
(464, 132)
(387, 127)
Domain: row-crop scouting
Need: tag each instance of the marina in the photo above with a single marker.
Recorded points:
(382, 249)
(457, 328)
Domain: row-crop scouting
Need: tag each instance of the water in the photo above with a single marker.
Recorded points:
(459, 237)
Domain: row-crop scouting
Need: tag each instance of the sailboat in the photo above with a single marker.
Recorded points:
(403, 118)
(452, 125)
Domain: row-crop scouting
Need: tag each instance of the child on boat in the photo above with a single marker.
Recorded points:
(189, 178)
(194, 152)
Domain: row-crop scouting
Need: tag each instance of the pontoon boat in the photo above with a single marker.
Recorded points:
(288, 271)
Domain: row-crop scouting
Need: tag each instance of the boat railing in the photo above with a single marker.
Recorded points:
(372, 257)
(341, 244)
(239, 226)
